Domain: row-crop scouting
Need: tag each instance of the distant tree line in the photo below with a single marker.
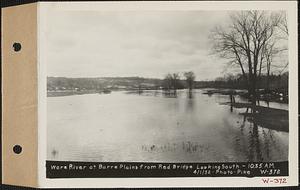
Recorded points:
(64, 83)
(272, 82)
(170, 83)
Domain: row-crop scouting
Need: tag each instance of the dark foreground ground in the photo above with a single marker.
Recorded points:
(267, 117)
(270, 118)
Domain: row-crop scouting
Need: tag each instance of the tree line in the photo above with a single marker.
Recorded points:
(272, 82)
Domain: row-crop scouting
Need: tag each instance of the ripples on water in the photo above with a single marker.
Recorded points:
(155, 126)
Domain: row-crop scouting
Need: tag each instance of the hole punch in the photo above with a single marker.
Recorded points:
(17, 47)
(17, 149)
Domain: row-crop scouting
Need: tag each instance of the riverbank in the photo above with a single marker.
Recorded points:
(69, 93)
(266, 117)
(263, 95)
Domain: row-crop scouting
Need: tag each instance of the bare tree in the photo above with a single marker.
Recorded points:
(243, 42)
(175, 80)
(269, 52)
(168, 81)
(283, 24)
(190, 78)
(271, 49)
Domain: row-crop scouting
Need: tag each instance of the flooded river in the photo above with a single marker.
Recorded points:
(124, 126)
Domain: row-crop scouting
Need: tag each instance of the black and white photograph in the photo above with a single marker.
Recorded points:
(150, 94)
(193, 86)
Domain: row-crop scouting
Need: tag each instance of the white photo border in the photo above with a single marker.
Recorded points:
(289, 6)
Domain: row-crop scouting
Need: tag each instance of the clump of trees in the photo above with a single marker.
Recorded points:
(251, 41)
(190, 79)
(172, 81)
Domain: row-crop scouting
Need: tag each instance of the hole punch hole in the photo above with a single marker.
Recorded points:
(17, 47)
(17, 149)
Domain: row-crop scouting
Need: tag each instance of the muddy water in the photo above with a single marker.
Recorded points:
(151, 126)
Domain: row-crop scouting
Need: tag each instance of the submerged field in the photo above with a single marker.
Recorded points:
(151, 126)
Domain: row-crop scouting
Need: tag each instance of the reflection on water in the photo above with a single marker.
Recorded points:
(157, 126)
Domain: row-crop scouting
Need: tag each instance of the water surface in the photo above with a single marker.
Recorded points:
(151, 126)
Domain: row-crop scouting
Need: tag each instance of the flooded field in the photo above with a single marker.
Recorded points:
(151, 126)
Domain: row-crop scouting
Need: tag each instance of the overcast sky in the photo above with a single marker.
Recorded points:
(131, 43)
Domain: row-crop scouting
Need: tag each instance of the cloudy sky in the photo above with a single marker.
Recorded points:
(131, 43)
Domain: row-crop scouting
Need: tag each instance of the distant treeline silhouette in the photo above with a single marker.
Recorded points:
(273, 82)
